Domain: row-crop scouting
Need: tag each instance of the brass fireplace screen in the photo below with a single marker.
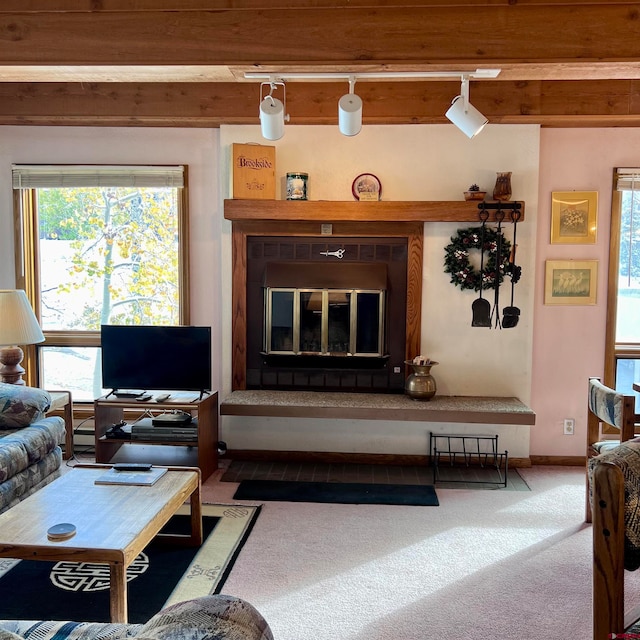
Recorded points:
(325, 316)
(327, 322)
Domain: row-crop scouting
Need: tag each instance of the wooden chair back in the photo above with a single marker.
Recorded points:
(607, 406)
(608, 550)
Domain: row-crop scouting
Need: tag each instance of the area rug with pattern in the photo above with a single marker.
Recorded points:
(162, 574)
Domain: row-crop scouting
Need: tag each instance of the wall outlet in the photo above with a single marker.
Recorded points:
(569, 426)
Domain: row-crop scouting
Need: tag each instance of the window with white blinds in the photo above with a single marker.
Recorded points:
(41, 176)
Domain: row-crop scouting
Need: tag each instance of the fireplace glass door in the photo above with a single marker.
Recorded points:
(326, 322)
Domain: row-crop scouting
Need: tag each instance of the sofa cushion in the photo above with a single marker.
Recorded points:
(51, 629)
(28, 481)
(20, 406)
(22, 448)
(207, 618)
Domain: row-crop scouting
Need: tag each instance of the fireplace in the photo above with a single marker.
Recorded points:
(326, 313)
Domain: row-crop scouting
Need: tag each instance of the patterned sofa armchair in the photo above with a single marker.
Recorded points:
(30, 452)
(216, 617)
(615, 496)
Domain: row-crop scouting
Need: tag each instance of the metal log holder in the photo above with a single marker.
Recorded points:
(466, 452)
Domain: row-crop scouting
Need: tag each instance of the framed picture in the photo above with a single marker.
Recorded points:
(574, 217)
(570, 281)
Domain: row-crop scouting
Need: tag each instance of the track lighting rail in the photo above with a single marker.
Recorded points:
(273, 111)
(373, 75)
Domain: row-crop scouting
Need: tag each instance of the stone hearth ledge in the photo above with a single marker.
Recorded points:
(377, 406)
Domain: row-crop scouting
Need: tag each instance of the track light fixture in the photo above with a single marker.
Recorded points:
(463, 114)
(350, 111)
(272, 116)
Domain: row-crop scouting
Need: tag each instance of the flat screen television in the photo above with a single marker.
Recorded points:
(152, 358)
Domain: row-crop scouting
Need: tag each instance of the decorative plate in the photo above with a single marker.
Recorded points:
(366, 187)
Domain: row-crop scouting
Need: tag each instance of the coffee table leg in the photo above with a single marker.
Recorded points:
(196, 518)
(118, 592)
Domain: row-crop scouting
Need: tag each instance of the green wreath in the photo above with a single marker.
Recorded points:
(456, 258)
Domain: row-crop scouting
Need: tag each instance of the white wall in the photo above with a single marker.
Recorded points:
(425, 162)
(421, 162)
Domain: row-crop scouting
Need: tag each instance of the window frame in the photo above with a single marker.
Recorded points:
(27, 268)
(615, 350)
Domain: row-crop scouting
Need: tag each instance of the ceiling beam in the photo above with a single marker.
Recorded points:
(454, 33)
(577, 103)
(182, 62)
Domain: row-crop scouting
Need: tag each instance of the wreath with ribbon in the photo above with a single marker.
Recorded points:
(456, 258)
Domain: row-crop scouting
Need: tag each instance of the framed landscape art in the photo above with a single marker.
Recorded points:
(574, 217)
(570, 282)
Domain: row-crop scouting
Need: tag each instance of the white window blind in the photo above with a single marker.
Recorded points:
(627, 179)
(52, 176)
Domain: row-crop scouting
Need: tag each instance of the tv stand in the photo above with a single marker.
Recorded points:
(110, 410)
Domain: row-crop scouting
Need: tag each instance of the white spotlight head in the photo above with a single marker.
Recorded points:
(469, 120)
(272, 118)
(350, 114)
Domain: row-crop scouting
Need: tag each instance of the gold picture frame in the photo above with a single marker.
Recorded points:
(574, 217)
(570, 282)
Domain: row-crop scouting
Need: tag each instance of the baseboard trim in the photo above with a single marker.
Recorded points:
(335, 457)
(563, 461)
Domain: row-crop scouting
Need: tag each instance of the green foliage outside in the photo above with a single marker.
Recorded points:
(119, 249)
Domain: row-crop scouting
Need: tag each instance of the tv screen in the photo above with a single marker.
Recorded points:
(167, 358)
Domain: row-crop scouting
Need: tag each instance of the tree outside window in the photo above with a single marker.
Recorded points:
(102, 255)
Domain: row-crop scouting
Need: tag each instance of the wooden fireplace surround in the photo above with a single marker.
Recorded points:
(306, 218)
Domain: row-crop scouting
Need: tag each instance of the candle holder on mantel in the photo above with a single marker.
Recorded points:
(502, 189)
(420, 385)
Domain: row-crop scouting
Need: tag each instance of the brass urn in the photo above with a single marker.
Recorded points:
(420, 385)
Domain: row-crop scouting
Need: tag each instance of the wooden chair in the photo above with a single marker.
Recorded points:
(615, 484)
(610, 407)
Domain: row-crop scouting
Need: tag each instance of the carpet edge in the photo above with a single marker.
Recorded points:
(238, 548)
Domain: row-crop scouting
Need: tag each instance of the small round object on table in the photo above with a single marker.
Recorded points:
(62, 531)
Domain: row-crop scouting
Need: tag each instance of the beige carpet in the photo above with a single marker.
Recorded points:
(484, 565)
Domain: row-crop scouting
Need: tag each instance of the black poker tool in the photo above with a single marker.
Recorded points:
(496, 306)
(480, 307)
(511, 314)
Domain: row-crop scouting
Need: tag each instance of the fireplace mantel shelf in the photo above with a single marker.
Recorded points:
(353, 211)
(374, 406)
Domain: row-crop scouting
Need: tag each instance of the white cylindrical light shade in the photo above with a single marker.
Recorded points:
(18, 323)
(470, 122)
(272, 118)
(350, 114)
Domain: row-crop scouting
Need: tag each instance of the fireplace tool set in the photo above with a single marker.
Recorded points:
(483, 314)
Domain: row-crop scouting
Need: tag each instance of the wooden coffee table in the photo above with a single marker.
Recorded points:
(114, 523)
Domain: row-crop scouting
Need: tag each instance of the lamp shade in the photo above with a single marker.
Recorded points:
(272, 118)
(469, 121)
(18, 323)
(350, 114)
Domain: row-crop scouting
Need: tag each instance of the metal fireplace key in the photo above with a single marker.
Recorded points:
(338, 253)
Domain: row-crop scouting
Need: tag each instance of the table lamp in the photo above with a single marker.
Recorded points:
(18, 326)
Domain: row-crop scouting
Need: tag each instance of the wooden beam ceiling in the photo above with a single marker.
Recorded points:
(182, 63)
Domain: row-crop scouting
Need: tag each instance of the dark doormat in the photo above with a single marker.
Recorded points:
(337, 492)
